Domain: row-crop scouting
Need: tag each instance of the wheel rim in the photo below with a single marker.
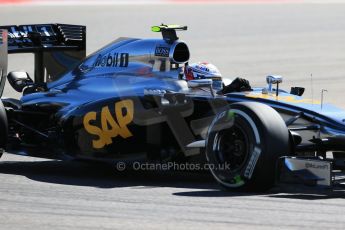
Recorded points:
(232, 147)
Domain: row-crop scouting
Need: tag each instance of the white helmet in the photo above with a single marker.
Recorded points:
(204, 70)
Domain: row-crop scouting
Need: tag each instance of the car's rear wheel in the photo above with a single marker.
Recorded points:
(244, 144)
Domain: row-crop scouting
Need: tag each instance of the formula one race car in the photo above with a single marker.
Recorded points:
(129, 102)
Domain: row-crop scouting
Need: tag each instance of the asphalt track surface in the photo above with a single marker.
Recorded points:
(249, 40)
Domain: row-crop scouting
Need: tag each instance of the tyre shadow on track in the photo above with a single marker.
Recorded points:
(106, 176)
(103, 175)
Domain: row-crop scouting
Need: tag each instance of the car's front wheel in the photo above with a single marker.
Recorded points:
(244, 144)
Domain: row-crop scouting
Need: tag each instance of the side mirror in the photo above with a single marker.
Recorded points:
(199, 83)
(273, 80)
(19, 80)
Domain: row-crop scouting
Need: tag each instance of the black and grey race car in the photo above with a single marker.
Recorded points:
(128, 102)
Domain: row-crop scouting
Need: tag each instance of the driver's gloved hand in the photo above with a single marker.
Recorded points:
(237, 85)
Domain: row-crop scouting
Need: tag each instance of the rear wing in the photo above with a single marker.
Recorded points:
(56, 47)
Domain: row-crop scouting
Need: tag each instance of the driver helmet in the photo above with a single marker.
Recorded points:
(204, 70)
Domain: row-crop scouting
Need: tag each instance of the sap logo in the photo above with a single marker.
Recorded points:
(162, 51)
(111, 126)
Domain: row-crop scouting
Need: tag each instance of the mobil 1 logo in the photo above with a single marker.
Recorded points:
(112, 60)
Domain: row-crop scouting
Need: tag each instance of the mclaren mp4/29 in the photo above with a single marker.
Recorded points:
(129, 101)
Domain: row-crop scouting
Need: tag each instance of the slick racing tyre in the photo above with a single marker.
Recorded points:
(244, 144)
(3, 128)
